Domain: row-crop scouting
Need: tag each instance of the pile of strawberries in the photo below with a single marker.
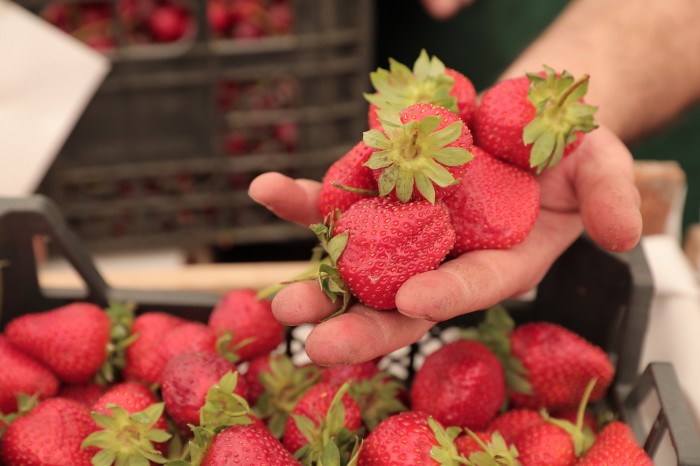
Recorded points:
(440, 174)
(81, 386)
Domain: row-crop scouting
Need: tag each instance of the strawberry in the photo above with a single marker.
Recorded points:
(86, 394)
(190, 337)
(143, 361)
(533, 121)
(349, 372)
(315, 407)
(248, 445)
(347, 171)
(429, 82)
(253, 328)
(559, 363)
(50, 435)
(70, 340)
(168, 23)
(494, 206)
(410, 438)
(616, 445)
(219, 17)
(186, 381)
(133, 426)
(557, 442)
(419, 153)
(22, 374)
(282, 384)
(514, 422)
(546, 365)
(257, 367)
(378, 244)
(460, 384)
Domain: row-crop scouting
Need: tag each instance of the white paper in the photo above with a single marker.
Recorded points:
(46, 80)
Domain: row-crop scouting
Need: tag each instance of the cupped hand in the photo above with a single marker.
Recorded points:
(593, 189)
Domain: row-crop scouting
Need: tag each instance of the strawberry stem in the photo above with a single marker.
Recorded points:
(365, 192)
(578, 83)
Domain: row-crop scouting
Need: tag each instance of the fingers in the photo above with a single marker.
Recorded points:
(289, 199)
(362, 334)
(605, 187)
(444, 9)
(301, 303)
(479, 279)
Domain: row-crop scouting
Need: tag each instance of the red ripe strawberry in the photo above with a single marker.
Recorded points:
(545, 444)
(616, 445)
(350, 172)
(70, 340)
(429, 82)
(466, 444)
(349, 372)
(514, 422)
(409, 438)
(186, 380)
(559, 364)
(378, 244)
(494, 206)
(420, 153)
(51, 434)
(143, 361)
(219, 17)
(253, 328)
(22, 374)
(168, 23)
(461, 384)
(247, 445)
(314, 405)
(256, 367)
(86, 394)
(190, 337)
(535, 120)
(132, 398)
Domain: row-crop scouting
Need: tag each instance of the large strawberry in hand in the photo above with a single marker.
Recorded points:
(429, 82)
(420, 152)
(494, 206)
(346, 172)
(378, 244)
(70, 340)
(533, 121)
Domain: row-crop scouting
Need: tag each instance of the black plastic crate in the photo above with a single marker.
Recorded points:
(604, 297)
(165, 151)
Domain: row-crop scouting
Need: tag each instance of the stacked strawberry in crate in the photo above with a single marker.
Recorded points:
(83, 386)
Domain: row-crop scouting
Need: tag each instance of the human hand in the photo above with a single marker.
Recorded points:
(444, 9)
(592, 189)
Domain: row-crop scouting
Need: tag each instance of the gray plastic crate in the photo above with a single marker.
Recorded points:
(157, 160)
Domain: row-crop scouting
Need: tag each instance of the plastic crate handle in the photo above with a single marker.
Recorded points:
(673, 417)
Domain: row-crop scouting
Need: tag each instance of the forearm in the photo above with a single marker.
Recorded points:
(643, 58)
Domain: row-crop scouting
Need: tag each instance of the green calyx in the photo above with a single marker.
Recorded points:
(121, 315)
(402, 87)
(559, 116)
(284, 385)
(494, 453)
(494, 333)
(25, 403)
(446, 452)
(229, 351)
(378, 398)
(330, 443)
(581, 436)
(414, 154)
(127, 439)
(327, 272)
(222, 409)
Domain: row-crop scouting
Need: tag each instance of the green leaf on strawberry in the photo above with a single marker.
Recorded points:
(560, 116)
(446, 452)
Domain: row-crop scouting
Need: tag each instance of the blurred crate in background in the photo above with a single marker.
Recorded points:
(204, 96)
